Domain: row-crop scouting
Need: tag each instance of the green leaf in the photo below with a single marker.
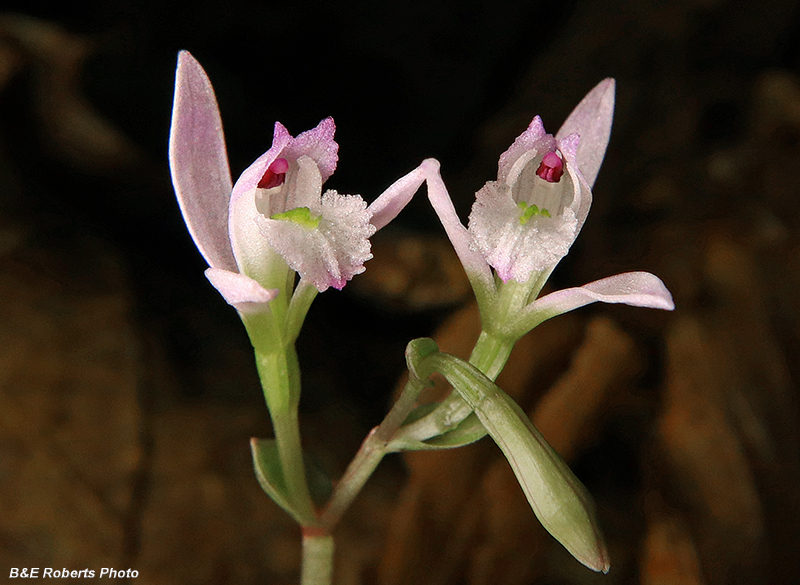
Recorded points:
(267, 465)
(467, 432)
(419, 412)
(558, 498)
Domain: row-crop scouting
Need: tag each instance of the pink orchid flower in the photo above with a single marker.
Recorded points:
(523, 224)
(276, 214)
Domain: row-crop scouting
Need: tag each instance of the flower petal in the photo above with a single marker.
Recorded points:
(240, 291)
(476, 267)
(318, 143)
(639, 289)
(199, 163)
(250, 249)
(304, 189)
(392, 201)
(582, 191)
(591, 120)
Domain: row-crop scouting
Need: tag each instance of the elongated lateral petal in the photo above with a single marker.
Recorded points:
(199, 163)
(240, 291)
(591, 120)
(639, 289)
(476, 267)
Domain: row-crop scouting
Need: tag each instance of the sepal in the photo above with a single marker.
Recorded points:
(637, 289)
(416, 351)
(478, 270)
(199, 162)
(240, 291)
(591, 120)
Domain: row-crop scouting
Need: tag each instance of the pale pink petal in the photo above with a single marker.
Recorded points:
(250, 249)
(392, 201)
(639, 289)
(591, 120)
(582, 191)
(304, 188)
(240, 291)
(514, 249)
(476, 267)
(199, 163)
(318, 143)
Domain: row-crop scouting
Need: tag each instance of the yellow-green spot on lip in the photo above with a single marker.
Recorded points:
(528, 211)
(300, 215)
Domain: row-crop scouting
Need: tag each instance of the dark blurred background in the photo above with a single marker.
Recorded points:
(127, 385)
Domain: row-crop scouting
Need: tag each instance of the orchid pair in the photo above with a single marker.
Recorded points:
(520, 225)
(276, 223)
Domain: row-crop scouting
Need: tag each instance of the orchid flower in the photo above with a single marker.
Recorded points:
(522, 224)
(276, 215)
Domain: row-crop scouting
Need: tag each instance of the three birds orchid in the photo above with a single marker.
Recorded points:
(275, 217)
(522, 224)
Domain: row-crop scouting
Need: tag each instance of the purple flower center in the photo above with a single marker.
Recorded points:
(551, 167)
(275, 175)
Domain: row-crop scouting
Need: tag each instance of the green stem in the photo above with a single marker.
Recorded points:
(370, 454)
(287, 434)
(317, 564)
(491, 352)
(279, 372)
